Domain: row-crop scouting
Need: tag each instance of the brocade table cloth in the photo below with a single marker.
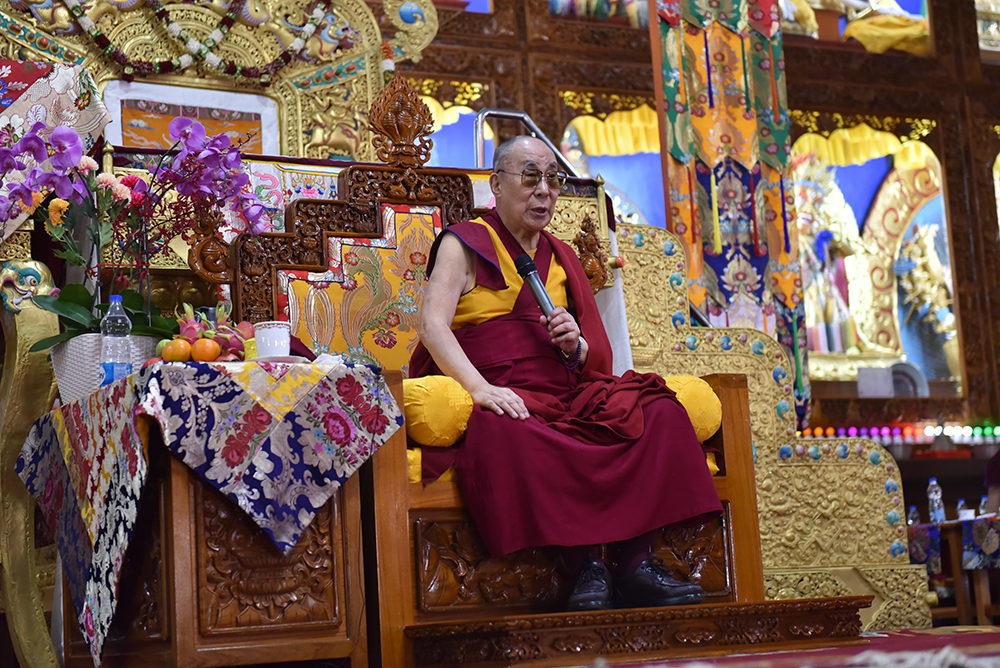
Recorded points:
(277, 438)
(925, 546)
(981, 543)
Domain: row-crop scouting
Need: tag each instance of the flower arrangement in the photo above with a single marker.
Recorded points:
(138, 217)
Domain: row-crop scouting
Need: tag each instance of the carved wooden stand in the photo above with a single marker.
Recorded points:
(633, 635)
(202, 585)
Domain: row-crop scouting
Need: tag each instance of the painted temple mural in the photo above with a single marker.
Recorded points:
(875, 256)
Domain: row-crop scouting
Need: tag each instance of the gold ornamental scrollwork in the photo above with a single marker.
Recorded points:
(871, 278)
(416, 23)
(343, 57)
(26, 391)
(900, 591)
(809, 492)
(906, 129)
(566, 220)
(594, 104)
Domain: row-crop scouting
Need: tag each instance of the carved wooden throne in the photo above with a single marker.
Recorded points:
(433, 597)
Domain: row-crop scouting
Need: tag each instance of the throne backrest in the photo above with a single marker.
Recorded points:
(349, 273)
(852, 483)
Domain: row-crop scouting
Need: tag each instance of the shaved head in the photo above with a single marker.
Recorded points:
(503, 151)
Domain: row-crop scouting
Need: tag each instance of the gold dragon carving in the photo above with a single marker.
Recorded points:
(344, 54)
(26, 391)
(822, 503)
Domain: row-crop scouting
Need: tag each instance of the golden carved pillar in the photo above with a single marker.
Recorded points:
(26, 392)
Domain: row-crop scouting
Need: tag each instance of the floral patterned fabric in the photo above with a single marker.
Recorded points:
(278, 439)
(981, 543)
(52, 94)
(925, 547)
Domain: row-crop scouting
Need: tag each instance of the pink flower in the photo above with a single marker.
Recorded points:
(87, 164)
(121, 193)
(374, 421)
(338, 426)
(133, 181)
(385, 339)
(106, 180)
(235, 451)
(349, 283)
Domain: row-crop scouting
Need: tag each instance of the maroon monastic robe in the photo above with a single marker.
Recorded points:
(601, 459)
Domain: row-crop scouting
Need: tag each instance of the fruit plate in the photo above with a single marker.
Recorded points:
(287, 359)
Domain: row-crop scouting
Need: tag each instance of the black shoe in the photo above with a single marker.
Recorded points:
(592, 590)
(650, 586)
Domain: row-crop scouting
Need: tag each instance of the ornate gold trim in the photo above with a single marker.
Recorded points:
(26, 392)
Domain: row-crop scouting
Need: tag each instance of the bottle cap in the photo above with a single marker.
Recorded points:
(115, 298)
(932, 480)
(913, 507)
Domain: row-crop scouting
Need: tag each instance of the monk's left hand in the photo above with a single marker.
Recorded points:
(563, 330)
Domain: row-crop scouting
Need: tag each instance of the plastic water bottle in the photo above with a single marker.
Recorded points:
(960, 507)
(982, 505)
(116, 352)
(913, 517)
(935, 505)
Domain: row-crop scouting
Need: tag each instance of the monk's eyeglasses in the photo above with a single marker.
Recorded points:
(530, 178)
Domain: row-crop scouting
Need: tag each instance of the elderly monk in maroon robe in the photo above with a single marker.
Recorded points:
(558, 450)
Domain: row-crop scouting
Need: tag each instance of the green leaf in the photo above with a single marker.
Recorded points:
(133, 301)
(72, 257)
(77, 294)
(166, 324)
(70, 311)
(47, 343)
(146, 330)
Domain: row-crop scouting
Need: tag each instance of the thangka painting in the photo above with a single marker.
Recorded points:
(144, 124)
(365, 306)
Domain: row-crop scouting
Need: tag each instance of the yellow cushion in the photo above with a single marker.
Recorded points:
(436, 409)
(701, 403)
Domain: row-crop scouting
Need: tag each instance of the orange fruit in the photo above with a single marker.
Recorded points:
(177, 350)
(205, 350)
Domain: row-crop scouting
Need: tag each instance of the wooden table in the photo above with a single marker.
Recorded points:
(951, 532)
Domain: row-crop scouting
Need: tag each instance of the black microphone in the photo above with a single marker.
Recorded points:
(526, 268)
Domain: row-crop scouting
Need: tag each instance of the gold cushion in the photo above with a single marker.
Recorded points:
(700, 401)
(436, 409)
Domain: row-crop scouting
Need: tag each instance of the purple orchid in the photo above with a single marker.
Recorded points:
(33, 145)
(60, 184)
(68, 148)
(9, 161)
(20, 191)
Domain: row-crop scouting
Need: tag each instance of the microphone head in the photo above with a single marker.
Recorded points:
(524, 265)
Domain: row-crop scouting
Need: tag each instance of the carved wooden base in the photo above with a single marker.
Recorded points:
(203, 586)
(637, 635)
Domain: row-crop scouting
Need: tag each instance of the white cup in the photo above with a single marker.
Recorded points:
(273, 338)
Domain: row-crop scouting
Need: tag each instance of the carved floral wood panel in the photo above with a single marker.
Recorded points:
(245, 583)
